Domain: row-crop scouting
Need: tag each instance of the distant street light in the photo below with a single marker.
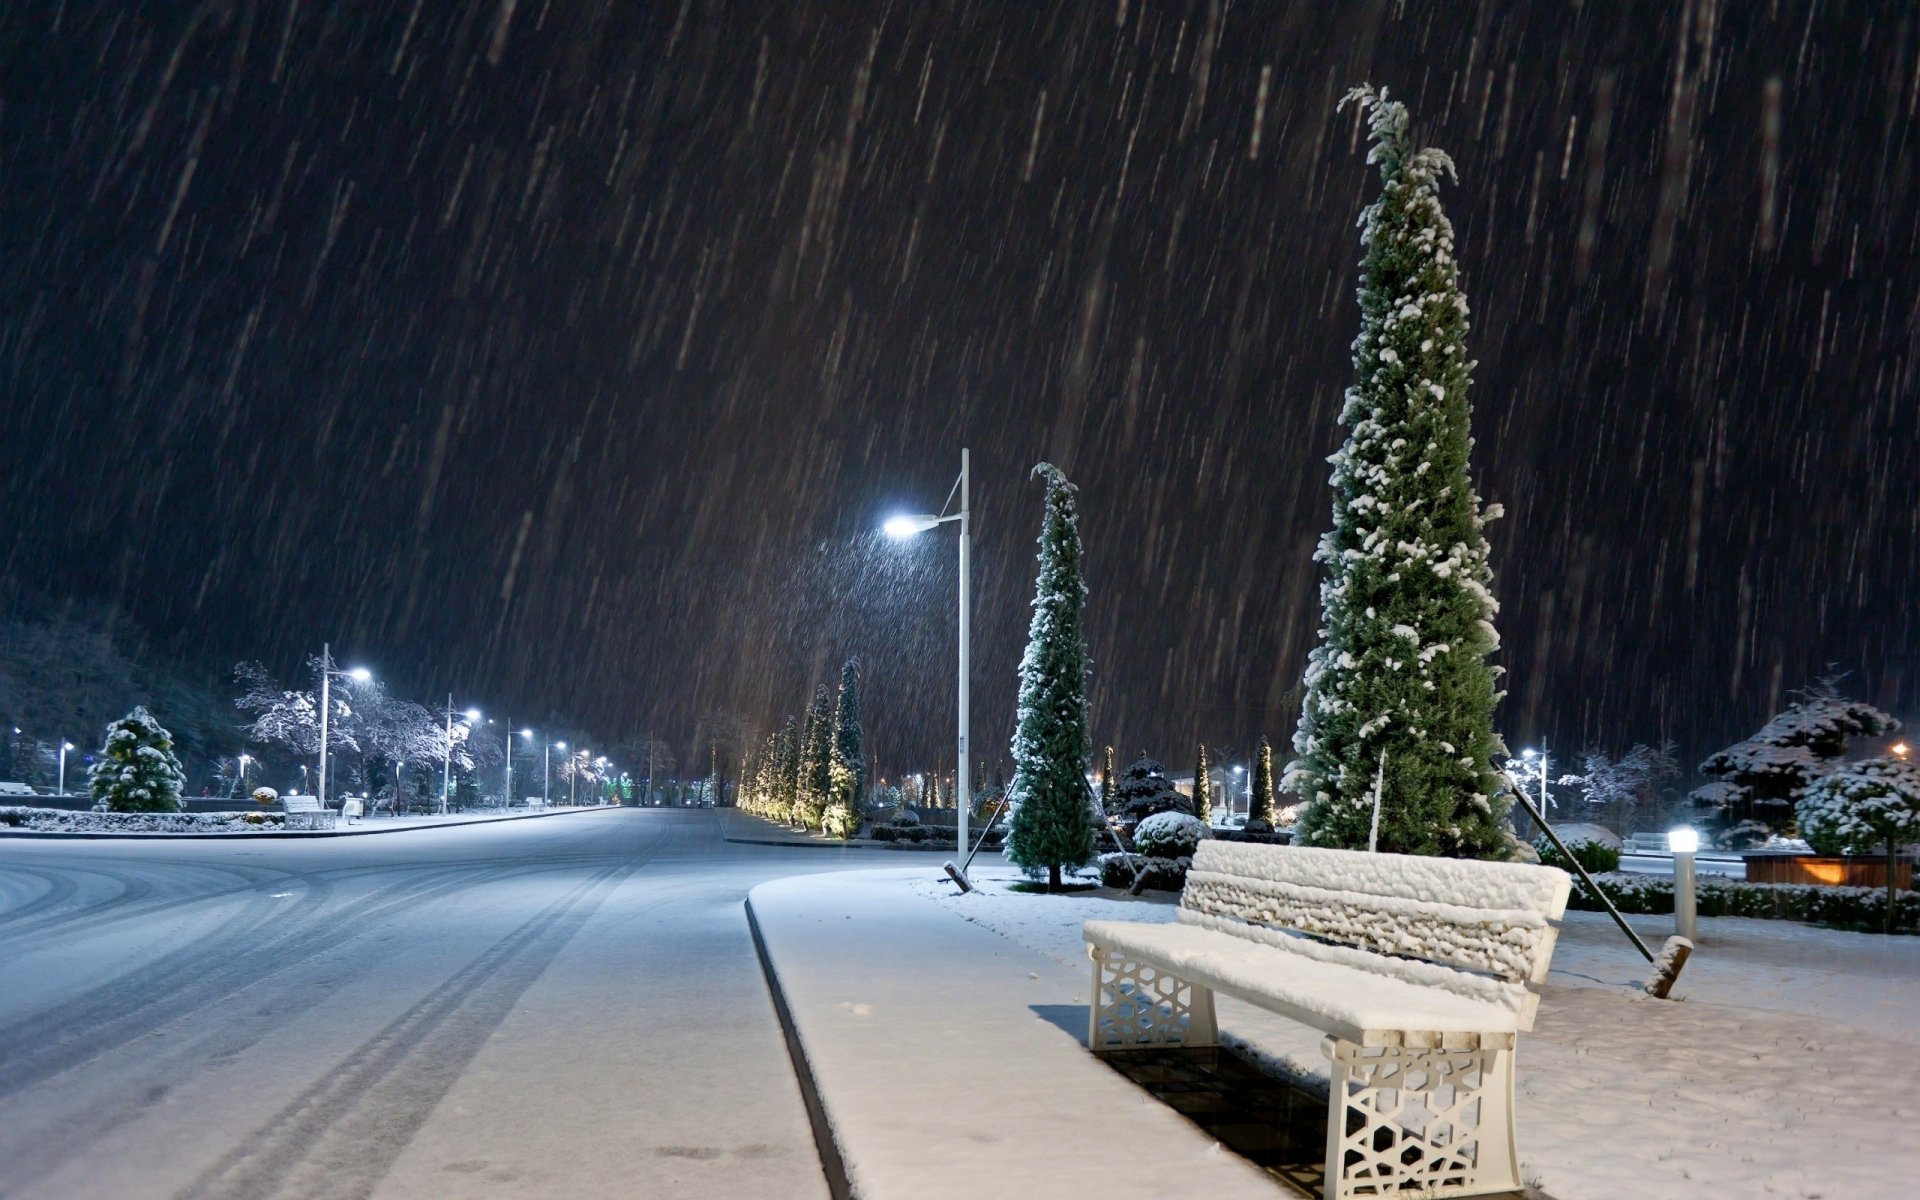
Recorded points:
(905, 526)
(65, 746)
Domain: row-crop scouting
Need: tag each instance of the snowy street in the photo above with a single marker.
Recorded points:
(548, 1008)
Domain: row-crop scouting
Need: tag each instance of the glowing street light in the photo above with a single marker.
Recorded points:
(446, 777)
(1684, 841)
(65, 746)
(905, 526)
(358, 675)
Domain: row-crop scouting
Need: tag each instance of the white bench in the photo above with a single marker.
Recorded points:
(308, 810)
(1416, 969)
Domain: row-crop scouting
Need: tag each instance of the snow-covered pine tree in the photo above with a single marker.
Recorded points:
(1758, 781)
(1202, 789)
(816, 760)
(136, 770)
(1143, 790)
(1863, 806)
(1406, 606)
(786, 771)
(1106, 779)
(1260, 799)
(849, 740)
(1052, 824)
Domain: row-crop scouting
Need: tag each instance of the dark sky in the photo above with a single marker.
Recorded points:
(566, 354)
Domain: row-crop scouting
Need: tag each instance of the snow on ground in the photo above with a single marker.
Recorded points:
(60, 820)
(1785, 1069)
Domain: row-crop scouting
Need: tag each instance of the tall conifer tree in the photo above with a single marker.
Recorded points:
(1202, 789)
(1406, 606)
(816, 759)
(1260, 800)
(1052, 823)
(849, 740)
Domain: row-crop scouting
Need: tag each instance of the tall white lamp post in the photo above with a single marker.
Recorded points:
(907, 526)
(550, 750)
(528, 735)
(358, 675)
(446, 776)
(1684, 841)
(65, 746)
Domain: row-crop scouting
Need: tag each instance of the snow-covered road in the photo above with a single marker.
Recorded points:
(567, 1007)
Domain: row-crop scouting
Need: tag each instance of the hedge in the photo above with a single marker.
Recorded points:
(1842, 907)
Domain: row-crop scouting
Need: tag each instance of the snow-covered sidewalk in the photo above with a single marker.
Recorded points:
(950, 1061)
(89, 825)
(1785, 1070)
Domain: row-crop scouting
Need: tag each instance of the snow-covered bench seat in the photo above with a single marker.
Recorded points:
(307, 810)
(1416, 969)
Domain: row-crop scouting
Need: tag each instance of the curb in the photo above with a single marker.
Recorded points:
(277, 835)
(839, 1187)
(851, 845)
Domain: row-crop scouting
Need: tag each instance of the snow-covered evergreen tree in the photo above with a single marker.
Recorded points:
(816, 760)
(1052, 824)
(1143, 790)
(849, 741)
(1202, 789)
(1260, 814)
(1406, 606)
(1106, 779)
(1862, 806)
(1762, 778)
(136, 770)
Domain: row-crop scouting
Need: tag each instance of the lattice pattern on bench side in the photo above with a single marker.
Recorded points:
(1491, 917)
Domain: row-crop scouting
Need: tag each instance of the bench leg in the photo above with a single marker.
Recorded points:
(1439, 1121)
(1136, 1004)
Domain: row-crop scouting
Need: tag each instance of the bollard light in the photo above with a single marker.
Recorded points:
(1684, 841)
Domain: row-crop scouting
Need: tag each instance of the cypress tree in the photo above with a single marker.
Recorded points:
(1260, 804)
(1202, 789)
(1406, 606)
(1106, 780)
(1052, 823)
(786, 770)
(136, 770)
(849, 752)
(816, 759)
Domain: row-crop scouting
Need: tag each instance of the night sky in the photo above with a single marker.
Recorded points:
(566, 355)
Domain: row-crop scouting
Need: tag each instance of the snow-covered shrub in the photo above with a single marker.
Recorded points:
(904, 817)
(265, 796)
(1862, 807)
(837, 820)
(1594, 847)
(1162, 874)
(1169, 835)
(1845, 907)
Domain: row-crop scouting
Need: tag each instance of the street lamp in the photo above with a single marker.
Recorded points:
(550, 749)
(1246, 796)
(905, 526)
(1546, 801)
(446, 776)
(358, 675)
(65, 746)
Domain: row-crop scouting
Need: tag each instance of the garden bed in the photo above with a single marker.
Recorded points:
(60, 820)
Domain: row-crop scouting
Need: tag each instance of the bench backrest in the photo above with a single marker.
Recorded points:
(299, 804)
(1487, 917)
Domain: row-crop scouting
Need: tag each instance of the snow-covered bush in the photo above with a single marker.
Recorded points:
(1169, 835)
(265, 796)
(136, 770)
(1862, 807)
(1161, 874)
(1595, 847)
(837, 820)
